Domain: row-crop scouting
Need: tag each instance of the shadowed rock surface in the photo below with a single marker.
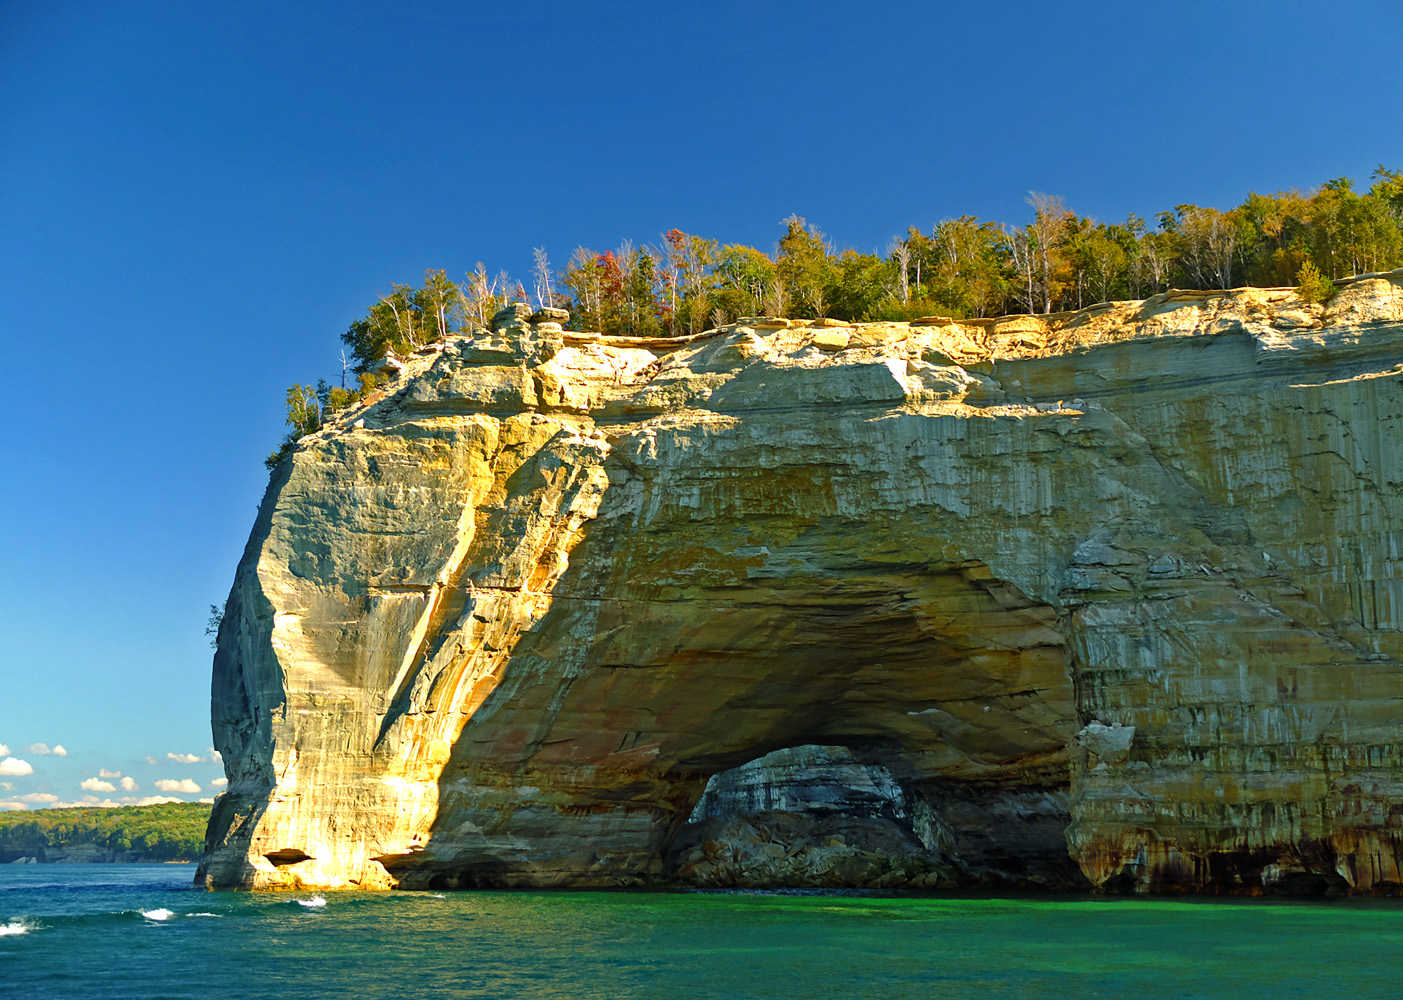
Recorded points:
(1120, 586)
(816, 816)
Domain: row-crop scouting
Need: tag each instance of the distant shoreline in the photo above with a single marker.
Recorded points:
(72, 861)
(165, 833)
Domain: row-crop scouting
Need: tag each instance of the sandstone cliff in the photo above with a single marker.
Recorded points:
(1106, 599)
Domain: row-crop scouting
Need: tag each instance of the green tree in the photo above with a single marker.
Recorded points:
(1047, 233)
(1277, 236)
(1210, 244)
(1103, 262)
(804, 267)
(584, 276)
(686, 274)
(641, 308)
(743, 275)
(964, 272)
(480, 297)
(1311, 285)
(406, 319)
(304, 413)
(861, 283)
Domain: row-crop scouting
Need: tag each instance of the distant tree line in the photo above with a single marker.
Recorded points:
(171, 831)
(962, 267)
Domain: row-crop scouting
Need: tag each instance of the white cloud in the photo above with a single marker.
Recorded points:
(97, 785)
(87, 802)
(4, 750)
(43, 750)
(185, 758)
(219, 782)
(208, 802)
(12, 767)
(215, 756)
(129, 785)
(102, 772)
(183, 785)
(37, 797)
(9, 786)
(152, 760)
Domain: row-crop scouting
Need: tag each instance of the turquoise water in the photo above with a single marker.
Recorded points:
(138, 931)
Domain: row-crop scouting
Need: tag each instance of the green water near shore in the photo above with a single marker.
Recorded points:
(99, 931)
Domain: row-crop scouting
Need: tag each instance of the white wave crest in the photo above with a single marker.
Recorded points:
(160, 913)
(313, 902)
(14, 927)
(204, 914)
(437, 895)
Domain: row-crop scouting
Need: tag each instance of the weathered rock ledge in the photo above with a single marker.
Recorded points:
(1110, 599)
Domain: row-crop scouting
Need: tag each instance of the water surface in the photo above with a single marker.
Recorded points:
(139, 931)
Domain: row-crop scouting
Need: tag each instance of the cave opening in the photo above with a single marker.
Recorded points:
(834, 816)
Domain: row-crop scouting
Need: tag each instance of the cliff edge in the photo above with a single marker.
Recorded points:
(1105, 599)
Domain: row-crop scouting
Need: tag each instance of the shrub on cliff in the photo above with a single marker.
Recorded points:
(1311, 285)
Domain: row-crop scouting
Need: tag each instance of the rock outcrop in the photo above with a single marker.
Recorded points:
(1120, 587)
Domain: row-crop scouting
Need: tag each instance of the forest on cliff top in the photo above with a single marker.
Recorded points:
(962, 267)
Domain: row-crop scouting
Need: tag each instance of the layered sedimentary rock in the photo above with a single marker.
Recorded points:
(1110, 598)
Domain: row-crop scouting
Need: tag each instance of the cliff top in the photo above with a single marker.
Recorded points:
(1277, 318)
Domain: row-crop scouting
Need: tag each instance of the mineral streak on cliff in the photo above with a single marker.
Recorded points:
(1123, 583)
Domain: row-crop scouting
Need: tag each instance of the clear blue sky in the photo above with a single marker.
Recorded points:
(196, 199)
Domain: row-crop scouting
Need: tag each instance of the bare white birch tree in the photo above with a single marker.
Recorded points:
(541, 272)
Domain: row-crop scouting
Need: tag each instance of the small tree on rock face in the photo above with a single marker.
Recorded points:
(216, 618)
(1311, 285)
(304, 416)
(304, 412)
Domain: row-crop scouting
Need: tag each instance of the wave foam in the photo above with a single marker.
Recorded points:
(314, 901)
(160, 913)
(14, 927)
(204, 914)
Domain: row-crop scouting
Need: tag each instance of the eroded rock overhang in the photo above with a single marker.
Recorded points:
(1121, 584)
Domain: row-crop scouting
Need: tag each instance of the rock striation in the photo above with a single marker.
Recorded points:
(1106, 599)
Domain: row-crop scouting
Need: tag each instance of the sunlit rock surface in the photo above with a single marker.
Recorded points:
(1109, 599)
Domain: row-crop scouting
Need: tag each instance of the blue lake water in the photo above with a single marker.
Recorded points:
(139, 931)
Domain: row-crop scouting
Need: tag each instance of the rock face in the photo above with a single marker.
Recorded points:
(1109, 599)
